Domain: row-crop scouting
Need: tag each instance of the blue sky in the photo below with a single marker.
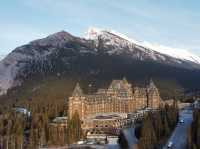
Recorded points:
(174, 23)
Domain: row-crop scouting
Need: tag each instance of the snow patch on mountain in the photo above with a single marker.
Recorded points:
(2, 57)
(173, 52)
(93, 33)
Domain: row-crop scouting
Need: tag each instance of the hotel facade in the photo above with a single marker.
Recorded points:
(119, 97)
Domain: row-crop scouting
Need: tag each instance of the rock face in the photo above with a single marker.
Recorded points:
(63, 53)
(38, 51)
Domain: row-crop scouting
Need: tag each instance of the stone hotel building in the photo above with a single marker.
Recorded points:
(119, 97)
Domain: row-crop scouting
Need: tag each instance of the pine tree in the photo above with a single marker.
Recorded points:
(122, 141)
(158, 125)
(148, 137)
(74, 130)
(1, 132)
(198, 133)
(31, 144)
(166, 130)
(189, 139)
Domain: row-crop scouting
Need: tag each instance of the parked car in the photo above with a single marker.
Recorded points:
(170, 144)
(90, 142)
(81, 142)
(181, 121)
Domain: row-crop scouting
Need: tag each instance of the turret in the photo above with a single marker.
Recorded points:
(125, 80)
(152, 84)
(77, 102)
(153, 95)
(77, 91)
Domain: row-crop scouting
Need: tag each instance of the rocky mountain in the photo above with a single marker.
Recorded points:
(101, 55)
(150, 51)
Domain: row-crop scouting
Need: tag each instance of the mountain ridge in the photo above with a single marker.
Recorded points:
(63, 53)
(94, 32)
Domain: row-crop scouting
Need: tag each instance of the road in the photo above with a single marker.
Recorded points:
(179, 136)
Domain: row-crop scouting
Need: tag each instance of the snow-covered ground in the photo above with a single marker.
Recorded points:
(183, 54)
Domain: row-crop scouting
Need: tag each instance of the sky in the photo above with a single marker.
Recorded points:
(173, 23)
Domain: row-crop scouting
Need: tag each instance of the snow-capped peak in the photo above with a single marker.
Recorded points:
(183, 54)
(94, 32)
(173, 52)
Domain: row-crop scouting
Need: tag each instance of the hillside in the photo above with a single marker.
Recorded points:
(50, 67)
